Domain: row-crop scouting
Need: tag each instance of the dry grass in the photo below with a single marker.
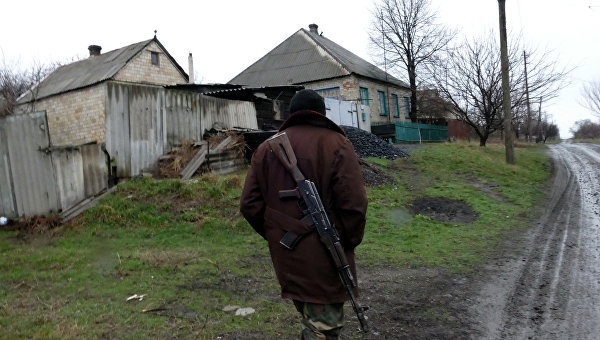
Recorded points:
(34, 225)
(179, 159)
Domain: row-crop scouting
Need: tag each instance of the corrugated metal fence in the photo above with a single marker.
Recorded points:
(144, 122)
(36, 178)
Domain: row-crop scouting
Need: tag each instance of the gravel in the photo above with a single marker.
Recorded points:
(368, 145)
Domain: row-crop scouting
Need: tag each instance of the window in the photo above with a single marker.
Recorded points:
(364, 96)
(407, 107)
(330, 92)
(382, 104)
(395, 107)
(154, 58)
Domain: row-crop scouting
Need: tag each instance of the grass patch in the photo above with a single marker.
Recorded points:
(186, 247)
(587, 140)
(501, 194)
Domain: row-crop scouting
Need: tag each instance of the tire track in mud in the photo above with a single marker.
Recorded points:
(550, 288)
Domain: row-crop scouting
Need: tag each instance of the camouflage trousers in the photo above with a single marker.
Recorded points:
(322, 322)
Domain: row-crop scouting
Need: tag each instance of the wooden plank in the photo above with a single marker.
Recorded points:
(194, 164)
(83, 206)
(222, 145)
(200, 157)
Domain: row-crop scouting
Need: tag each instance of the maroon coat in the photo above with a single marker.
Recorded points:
(326, 157)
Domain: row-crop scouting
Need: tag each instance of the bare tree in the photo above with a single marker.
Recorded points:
(407, 33)
(586, 129)
(470, 78)
(431, 105)
(12, 85)
(591, 96)
(549, 131)
(545, 129)
(14, 82)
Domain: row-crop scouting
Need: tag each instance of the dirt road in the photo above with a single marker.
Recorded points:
(549, 285)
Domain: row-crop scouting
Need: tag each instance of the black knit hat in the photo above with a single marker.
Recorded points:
(307, 100)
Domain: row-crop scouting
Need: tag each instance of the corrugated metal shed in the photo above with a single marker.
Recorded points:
(89, 71)
(189, 115)
(306, 57)
(144, 122)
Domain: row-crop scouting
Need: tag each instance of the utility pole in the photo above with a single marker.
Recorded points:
(541, 132)
(387, 89)
(528, 134)
(508, 135)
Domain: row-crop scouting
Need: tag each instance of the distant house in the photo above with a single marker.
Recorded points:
(433, 109)
(309, 59)
(74, 95)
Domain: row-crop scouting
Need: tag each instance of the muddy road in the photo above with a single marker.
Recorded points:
(548, 286)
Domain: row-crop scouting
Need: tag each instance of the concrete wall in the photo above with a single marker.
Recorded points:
(350, 91)
(141, 70)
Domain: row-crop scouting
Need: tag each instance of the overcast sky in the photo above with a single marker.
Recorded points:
(225, 36)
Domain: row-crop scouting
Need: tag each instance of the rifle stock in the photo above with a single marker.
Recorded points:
(280, 145)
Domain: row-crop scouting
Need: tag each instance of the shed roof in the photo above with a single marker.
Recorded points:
(90, 71)
(239, 92)
(306, 57)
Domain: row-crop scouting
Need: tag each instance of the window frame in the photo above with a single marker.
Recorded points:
(325, 91)
(380, 96)
(395, 105)
(407, 107)
(365, 100)
(154, 58)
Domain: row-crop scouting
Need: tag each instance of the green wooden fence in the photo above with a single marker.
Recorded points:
(408, 132)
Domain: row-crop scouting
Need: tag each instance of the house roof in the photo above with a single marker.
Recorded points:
(90, 71)
(307, 57)
(239, 92)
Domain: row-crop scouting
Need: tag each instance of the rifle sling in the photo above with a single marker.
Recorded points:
(287, 223)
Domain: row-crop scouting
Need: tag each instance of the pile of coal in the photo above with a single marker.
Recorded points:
(368, 145)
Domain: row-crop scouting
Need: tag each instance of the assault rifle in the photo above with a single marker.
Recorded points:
(316, 216)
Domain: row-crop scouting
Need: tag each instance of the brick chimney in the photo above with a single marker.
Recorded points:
(94, 50)
(191, 68)
(314, 28)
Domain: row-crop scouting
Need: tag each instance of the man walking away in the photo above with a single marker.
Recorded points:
(306, 273)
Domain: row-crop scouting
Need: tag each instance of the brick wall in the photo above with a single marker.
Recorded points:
(75, 117)
(141, 70)
(350, 90)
